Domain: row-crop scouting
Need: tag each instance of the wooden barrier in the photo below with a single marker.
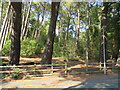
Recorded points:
(52, 69)
(101, 67)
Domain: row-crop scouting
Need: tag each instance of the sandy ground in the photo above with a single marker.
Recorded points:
(81, 81)
(77, 80)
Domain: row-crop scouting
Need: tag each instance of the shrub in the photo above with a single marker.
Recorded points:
(56, 50)
(2, 76)
(17, 74)
(6, 48)
(28, 47)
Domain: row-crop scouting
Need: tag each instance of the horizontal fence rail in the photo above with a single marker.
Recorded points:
(32, 65)
(100, 67)
(51, 68)
(34, 68)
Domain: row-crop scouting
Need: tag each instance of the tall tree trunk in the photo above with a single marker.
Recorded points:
(59, 33)
(2, 32)
(25, 9)
(26, 22)
(37, 25)
(77, 32)
(104, 34)
(87, 38)
(7, 30)
(67, 28)
(0, 14)
(67, 32)
(15, 33)
(41, 24)
(27, 31)
(47, 57)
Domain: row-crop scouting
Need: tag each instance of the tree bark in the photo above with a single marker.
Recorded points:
(7, 30)
(47, 57)
(104, 34)
(59, 33)
(67, 28)
(87, 38)
(104, 31)
(41, 24)
(26, 22)
(15, 33)
(37, 26)
(3, 35)
(27, 31)
(1, 14)
(4, 25)
(77, 32)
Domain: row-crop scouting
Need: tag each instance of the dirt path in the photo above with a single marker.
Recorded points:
(83, 81)
(72, 81)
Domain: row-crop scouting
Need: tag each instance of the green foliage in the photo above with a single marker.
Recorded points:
(6, 48)
(28, 77)
(56, 50)
(2, 76)
(71, 52)
(28, 47)
(67, 49)
(17, 74)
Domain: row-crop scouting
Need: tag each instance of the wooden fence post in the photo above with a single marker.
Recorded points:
(52, 68)
(86, 65)
(65, 67)
(100, 66)
(35, 69)
(112, 65)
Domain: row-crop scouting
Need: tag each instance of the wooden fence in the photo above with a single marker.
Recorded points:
(51, 68)
(109, 65)
(39, 69)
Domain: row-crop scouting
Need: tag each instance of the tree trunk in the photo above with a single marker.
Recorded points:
(47, 57)
(87, 37)
(39, 32)
(41, 24)
(104, 30)
(37, 26)
(26, 22)
(104, 34)
(3, 35)
(25, 9)
(27, 31)
(77, 32)
(67, 28)
(0, 14)
(2, 32)
(59, 33)
(15, 33)
(7, 30)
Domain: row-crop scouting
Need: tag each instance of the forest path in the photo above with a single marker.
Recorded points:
(72, 81)
(84, 81)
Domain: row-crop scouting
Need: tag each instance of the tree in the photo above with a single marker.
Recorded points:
(47, 57)
(24, 31)
(114, 30)
(15, 33)
(104, 34)
(0, 13)
(4, 27)
(87, 37)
